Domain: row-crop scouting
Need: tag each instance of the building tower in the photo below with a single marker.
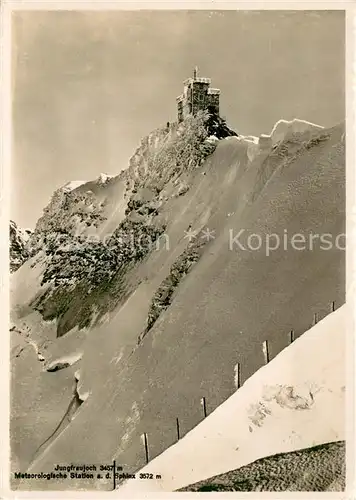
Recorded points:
(197, 96)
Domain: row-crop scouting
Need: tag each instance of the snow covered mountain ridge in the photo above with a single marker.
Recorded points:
(131, 285)
(68, 238)
(83, 237)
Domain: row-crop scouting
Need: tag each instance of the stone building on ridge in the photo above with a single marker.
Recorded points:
(197, 95)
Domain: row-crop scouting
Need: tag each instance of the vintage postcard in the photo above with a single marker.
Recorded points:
(177, 248)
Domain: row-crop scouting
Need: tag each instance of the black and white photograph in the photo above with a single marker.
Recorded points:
(177, 250)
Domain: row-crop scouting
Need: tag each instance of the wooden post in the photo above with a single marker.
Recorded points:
(178, 432)
(114, 472)
(203, 402)
(315, 319)
(265, 351)
(291, 336)
(332, 306)
(145, 443)
(238, 376)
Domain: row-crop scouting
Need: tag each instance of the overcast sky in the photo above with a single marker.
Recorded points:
(89, 85)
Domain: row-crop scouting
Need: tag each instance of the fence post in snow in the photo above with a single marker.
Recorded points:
(178, 432)
(203, 403)
(114, 472)
(265, 351)
(238, 375)
(292, 338)
(315, 319)
(145, 444)
(332, 306)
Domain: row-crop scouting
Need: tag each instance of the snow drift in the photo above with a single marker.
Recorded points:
(319, 468)
(284, 129)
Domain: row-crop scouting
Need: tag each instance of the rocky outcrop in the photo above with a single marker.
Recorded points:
(19, 251)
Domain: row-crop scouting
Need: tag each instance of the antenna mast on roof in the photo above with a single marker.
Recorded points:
(195, 72)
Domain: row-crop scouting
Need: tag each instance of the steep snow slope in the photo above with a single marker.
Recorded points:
(210, 305)
(294, 402)
(89, 211)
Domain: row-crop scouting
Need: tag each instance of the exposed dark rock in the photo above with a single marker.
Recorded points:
(19, 252)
